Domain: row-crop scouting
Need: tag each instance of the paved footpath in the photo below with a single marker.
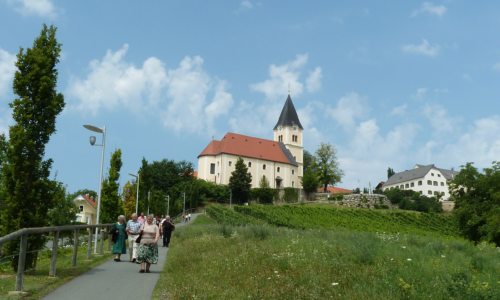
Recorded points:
(114, 280)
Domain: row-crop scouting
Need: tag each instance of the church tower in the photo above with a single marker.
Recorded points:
(288, 130)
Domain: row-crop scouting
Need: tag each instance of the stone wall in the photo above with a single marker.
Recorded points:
(365, 201)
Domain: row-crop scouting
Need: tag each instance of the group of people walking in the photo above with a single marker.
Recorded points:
(142, 234)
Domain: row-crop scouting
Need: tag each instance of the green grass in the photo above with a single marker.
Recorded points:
(270, 262)
(330, 217)
(37, 283)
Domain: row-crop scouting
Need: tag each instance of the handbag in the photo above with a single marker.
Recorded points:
(138, 239)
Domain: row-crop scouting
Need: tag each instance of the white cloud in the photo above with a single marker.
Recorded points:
(439, 119)
(246, 4)
(399, 110)
(431, 9)
(424, 48)
(287, 76)
(41, 8)
(496, 66)
(313, 81)
(7, 70)
(185, 98)
(112, 82)
(349, 109)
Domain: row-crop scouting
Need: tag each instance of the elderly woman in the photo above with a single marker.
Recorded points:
(119, 237)
(147, 253)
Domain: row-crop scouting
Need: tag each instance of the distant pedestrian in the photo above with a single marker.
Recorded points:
(166, 230)
(141, 218)
(133, 229)
(147, 253)
(189, 217)
(119, 237)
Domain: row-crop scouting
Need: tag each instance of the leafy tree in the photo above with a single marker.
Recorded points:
(327, 165)
(29, 193)
(411, 200)
(477, 198)
(390, 172)
(111, 204)
(264, 193)
(240, 182)
(129, 195)
(64, 210)
(310, 182)
(308, 160)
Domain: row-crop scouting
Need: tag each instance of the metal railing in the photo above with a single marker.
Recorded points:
(25, 232)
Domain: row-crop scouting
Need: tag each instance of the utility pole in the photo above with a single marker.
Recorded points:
(149, 199)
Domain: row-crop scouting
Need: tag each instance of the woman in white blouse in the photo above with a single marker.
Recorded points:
(147, 253)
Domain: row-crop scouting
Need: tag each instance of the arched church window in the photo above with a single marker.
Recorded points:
(278, 169)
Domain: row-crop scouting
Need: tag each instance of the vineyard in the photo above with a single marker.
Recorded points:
(326, 217)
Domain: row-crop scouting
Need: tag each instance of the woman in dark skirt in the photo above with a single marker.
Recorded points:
(119, 236)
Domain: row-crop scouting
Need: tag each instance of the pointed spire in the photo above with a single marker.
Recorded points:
(288, 116)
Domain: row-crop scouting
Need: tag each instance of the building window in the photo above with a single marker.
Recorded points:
(293, 171)
(407, 186)
(429, 182)
(429, 192)
(402, 187)
(442, 183)
(420, 182)
(278, 169)
(432, 174)
(264, 166)
(439, 175)
(249, 164)
(212, 168)
(294, 138)
(280, 138)
(81, 208)
(435, 183)
(420, 192)
(230, 162)
(412, 184)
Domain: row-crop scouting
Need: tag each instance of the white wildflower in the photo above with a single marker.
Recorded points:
(408, 259)
(335, 283)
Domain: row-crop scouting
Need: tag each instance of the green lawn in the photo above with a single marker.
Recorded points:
(37, 283)
(210, 260)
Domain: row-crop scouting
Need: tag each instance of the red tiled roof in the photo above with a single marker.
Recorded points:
(195, 174)
(90, 200)
(334, 190)
(248, 146)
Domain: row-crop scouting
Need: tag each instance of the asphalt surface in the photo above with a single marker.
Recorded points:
(114, 280)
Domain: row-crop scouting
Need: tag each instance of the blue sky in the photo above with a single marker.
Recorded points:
(396, 84)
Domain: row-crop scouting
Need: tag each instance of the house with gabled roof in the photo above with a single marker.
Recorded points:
(428, 180)
(87, 209)
(280, 160)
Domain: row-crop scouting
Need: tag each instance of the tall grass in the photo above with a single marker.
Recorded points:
(213, 261)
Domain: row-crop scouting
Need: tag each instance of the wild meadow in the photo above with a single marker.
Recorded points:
(215, 259)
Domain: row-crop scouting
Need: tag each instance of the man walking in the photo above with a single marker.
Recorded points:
(133, 228)
(166, 229)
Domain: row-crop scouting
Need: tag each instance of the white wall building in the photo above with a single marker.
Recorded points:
(279, 160)
(427, 180)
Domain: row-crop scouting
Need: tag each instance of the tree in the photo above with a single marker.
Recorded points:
(308, 160)
(240, 182)
(28, 191)
(390, 172)
(310, 181)
(477, 202)
(129, 195)
(327, 165)
(111, 204)
(64, 210)
(264, 193)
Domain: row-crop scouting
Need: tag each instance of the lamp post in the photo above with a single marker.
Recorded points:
(92, 142)
(137, 197)
(168, 205)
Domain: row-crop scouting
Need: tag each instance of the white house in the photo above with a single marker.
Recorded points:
(87, 209)
(279, 160)
(427, 180)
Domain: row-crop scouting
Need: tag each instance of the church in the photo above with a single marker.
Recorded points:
(280, 160)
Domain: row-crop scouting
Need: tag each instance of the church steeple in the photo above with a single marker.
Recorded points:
(288, 116)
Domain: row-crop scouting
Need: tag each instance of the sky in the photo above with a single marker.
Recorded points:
(389, 85)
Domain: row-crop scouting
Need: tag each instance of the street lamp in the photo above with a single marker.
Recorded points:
(92, 141)
(137, 197)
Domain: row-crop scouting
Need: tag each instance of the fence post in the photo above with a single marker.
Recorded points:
(101, 245)
(109, 241)
(75, 248)
(89, 244)
(55, 244)
(21, 263)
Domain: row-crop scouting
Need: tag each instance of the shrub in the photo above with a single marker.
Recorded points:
(291, 195)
